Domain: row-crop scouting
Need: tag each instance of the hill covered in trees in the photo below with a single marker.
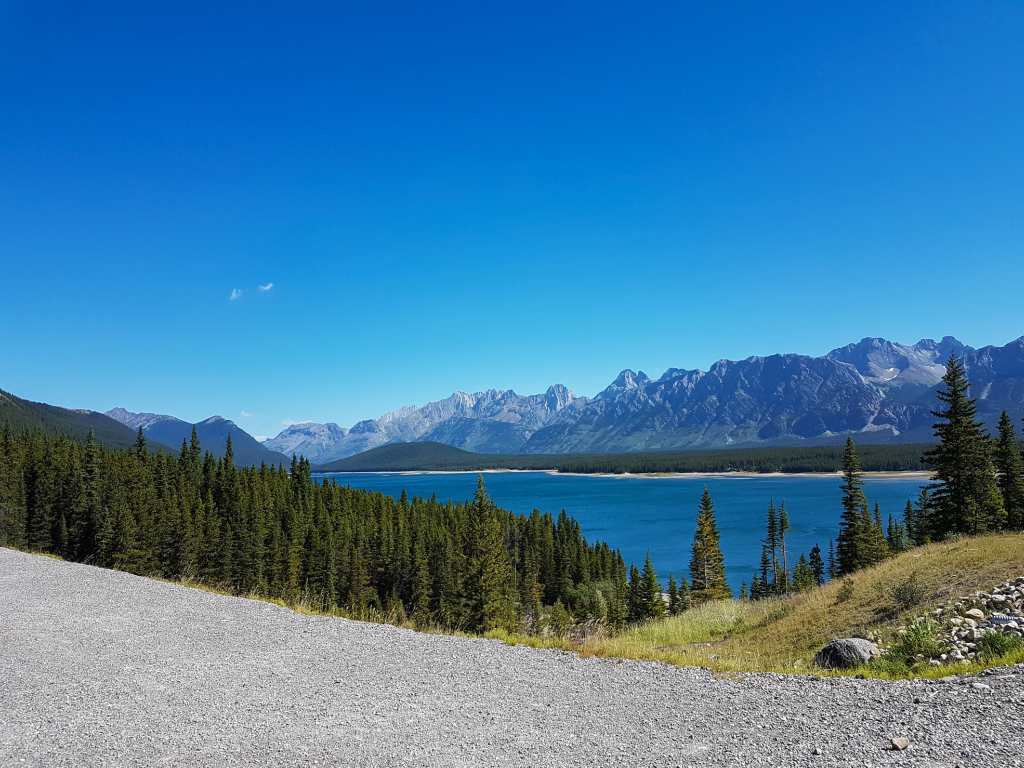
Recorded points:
(278, 533)
(403, 457)
(22, 414)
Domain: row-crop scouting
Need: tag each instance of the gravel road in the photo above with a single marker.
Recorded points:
(99, 668)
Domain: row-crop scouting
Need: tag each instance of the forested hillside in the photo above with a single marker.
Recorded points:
(22, 414)
(399, 457)
(278, 533)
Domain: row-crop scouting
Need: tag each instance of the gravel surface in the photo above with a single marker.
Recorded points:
(99, 668)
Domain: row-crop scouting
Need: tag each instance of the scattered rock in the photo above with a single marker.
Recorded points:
(964, 622)
(981, 687)
(846, 653)
(899, 743)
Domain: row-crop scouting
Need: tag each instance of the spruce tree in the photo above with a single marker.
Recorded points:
(635, 605)
(851, 536)
(707, 566)
(683, 593)
(771, 543)
(965, 495)
(650, 592)
(1010, 467)
(922, 524)
(803, 575)
(910, 524)
(782, 585)
(817, 565)
(673, 596)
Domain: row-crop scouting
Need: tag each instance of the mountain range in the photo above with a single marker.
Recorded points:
(212, 433)
(876, 389)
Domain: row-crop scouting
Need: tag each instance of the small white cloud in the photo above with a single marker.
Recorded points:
(246, 414)
(236, 294)
(265, 287)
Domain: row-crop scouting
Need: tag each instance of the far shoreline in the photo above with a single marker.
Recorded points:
(737, 474)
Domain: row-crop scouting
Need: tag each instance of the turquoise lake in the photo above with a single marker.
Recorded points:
(638, 515)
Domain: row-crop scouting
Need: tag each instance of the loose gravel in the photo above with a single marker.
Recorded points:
(99, 668)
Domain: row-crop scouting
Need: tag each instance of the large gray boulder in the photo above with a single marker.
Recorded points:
(846, 653)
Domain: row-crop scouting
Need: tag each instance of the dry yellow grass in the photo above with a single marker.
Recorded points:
(782, 635)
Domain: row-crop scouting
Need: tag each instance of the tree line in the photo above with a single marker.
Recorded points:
(276, 532)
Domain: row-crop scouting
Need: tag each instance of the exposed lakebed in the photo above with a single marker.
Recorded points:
(656, 514)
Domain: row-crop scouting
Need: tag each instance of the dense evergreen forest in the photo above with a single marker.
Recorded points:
(436, 456)
(275, 532)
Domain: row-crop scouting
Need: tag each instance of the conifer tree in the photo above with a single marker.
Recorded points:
(922, 524)
(650, 592)
(817, 565)
(707, 566)
(1010, 467)
(683, 591)
(833, 565)
(803, 576)
(761, 584)
(782, 586)
(673, 596)
(771, 544)
(894, 536)
(910, 524)
(635, 604)
(965, 496)
(851, 534)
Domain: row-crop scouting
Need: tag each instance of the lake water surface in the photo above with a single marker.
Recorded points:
(638, 515)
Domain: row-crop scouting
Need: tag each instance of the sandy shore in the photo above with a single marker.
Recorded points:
(909, 475)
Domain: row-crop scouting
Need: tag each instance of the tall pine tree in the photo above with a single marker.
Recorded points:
(1010, 467)
(851, 535)
(965, 495)
(707, 565)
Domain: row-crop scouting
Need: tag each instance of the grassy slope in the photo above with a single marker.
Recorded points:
(783, 635)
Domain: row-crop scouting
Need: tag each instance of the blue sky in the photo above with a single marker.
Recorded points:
(465, 196)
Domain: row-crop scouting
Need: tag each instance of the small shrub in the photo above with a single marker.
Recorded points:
(559, 620)
(888, 665)
(908, 594)
(994, 645)
(921, 637)
(845, 592)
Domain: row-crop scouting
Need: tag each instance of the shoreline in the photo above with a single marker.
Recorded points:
(745, 475)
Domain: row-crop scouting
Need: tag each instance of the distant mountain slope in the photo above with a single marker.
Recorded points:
(317, 442)
(397, 457)
(212, 433)
(875, 389)
(498, 421)
(25, 414)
